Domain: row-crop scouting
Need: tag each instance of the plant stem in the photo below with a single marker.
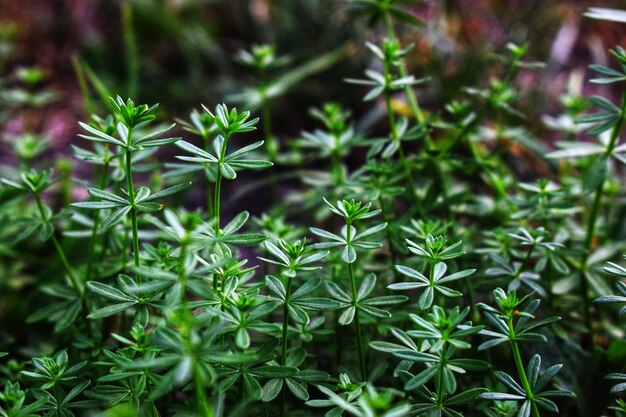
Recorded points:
(521, 370)
(431, 280)
(271, 145)
(440, 385)
(408, 90)
(595, 210)
(131, 198)
(132, 60)
(357, 324)
(336, 170)
(392, 250)
(76, 284)
(96, 222)
(355, 304)
(283, 351)
(283, 356)
(338, 331)
(84, 89)
(394, 136)
(218, 188)
(57, 399)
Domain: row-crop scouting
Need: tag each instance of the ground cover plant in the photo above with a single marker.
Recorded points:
(414, 261)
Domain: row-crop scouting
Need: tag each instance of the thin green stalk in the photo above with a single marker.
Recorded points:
(82, 83)
(441, 392)
(336, 170)
(521, 370)
(595, 210)
(203, 404)
(209, 195)
(408, 90)
(338, 332)
(527, 257)
(394, 136)
(131, 198)
(76, 284)
(96, 223)
(357, 323)
(392, 250)
(283, 355)
(132, 59)
(431, 279)
(472, 298)
(216, 203)
(271, 145)
(182, 276)
(270, 141)
(218, 188)
(57, 399)
(283, 351)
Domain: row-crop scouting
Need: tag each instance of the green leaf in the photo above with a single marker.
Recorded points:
(110, 310)
(595, 175)
(318, 303)
(271, 389)
(99, 136)
(421, 378)
(168, 191)
(117, 216)
(348, 255)
(107, 196)
(276, 286)
(227, 171)
(244, 239)
(108, 292)
(347, 316)
(271, 371)
(297, 389)
(236, 223)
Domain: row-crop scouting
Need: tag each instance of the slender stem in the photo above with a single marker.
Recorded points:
(57, 399)
(595, 210)
(431, 280)
(216, 201)
(283, 356)
(527, 257)
(338, 331)
(355, 304)
(392, 251)
(394, 137)
(337, 171)
(218, 187)
(132, 60)
(182, 276)
(521, 370)
(96, 222)
(203, 404)
(283, 351)
(408, 90)
(441, 392)
(76, 284)
(131, 198)
(357, 323)
(84, 89)
(271, 144)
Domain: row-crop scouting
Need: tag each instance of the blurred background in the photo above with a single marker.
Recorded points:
(181, 53)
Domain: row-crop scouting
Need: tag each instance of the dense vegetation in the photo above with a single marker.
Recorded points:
(412, 262)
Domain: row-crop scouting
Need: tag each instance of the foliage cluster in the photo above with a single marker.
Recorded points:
(427, 280)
